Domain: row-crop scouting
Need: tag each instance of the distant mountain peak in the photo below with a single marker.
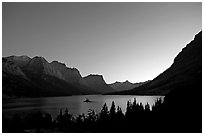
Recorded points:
(126, 81)
(126, 85)
(122, 82)
(40, 58)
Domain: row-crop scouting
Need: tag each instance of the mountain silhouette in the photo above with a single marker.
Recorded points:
(23, 76)
(120, 86)
(185, 70)
(97, 83)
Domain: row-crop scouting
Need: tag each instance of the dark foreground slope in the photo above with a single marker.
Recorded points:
(186, 68)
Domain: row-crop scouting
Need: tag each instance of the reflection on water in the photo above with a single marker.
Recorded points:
(74, 104)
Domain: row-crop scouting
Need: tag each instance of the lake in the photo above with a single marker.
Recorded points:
(74, 104)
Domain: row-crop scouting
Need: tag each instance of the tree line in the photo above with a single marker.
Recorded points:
(137, 118)
(107, 120)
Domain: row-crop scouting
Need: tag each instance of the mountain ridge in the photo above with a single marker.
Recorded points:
(47, 79)
(186, 68)
(126, 85)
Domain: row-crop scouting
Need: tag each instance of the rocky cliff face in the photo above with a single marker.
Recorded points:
(20, 61)
(10, 67)
(71, 75)
(39, 66)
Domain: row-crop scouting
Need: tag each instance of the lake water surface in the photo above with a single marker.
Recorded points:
(74, 104)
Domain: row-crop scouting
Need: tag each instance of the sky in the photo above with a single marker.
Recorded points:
(121, 41)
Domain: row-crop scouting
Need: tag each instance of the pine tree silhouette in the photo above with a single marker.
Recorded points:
(112, 110)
